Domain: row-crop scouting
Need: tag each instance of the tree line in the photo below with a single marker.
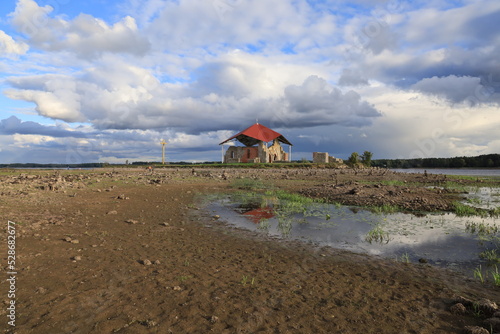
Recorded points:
(481, 161)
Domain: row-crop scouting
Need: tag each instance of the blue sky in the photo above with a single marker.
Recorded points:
(105, 81)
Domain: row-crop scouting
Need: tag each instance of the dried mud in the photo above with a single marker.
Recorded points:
(126, 251)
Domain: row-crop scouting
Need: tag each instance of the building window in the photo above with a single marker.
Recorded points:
(248, 153)
(232, 154)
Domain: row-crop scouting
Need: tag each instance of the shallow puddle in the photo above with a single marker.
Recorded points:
(445, 240)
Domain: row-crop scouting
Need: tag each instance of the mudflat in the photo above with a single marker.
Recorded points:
(128, 251)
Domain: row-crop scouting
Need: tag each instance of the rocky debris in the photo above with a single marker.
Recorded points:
(112, 212)
(122, 196)
(177, 288)
(146, 262)
(132, 221)
(214, 319)
(483, 308)
(458, 309)
(475, 330)
(76, 258)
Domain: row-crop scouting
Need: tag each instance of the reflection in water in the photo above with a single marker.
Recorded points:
(441, 239)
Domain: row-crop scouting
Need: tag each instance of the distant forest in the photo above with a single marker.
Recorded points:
(34, 165)
(482, 161)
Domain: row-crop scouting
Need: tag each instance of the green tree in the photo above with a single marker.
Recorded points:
(353, 159)
(366, 158)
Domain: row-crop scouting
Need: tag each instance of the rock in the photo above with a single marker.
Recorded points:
(493, 323)
(76, 258)
(423, 260)
(67, 239)
(122, 196)
(487, 306)
(41, 290)
(475, 330)
(75, 241)
(132, 221)
(177, 288)
(164, 224)
(112, 212)
(216, 217)
(458, 309)
(157, 262)
(214, 319)
(146, 262)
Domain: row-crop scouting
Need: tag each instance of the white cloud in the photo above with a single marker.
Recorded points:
(85, 36)
(8, 46)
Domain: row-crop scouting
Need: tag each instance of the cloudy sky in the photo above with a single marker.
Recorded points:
(99, 80)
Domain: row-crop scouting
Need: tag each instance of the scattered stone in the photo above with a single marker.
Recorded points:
(157, 262)
(216, 217)
(76, 258)
(67, 239)
(112, 212)
(214, 319)
(475, 330)
(132, 221)
(422, 260)
(41, 290)
(146, 262)
(487, 306)
(75, 241)
(458, 309)
(122, 196)
(177, 288)
(164, 224)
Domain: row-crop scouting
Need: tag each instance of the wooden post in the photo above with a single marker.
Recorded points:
(163, 143)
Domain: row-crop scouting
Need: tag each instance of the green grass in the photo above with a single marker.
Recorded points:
(496, 276)
(385, 208)
(405, 258)
(482, 228)
(377, 234)
(249, 184)
(463, 210)
(478, 273)
(490, 255)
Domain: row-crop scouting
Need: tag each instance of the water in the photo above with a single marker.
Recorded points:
(444, 239)
(451, 171)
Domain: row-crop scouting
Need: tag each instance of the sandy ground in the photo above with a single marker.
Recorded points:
(127, 252)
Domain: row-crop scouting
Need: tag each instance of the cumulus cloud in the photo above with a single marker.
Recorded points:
(8, 46)
(85, 36)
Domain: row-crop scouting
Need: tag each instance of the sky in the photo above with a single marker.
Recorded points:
(105, 81)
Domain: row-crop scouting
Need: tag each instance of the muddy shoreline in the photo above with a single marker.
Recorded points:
(121, 252)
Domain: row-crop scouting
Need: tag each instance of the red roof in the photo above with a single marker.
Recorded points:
(256, 133)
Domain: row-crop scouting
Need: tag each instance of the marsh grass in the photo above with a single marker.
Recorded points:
(385, 208)
(482, 228)
(377, 234)
(478, 273)
(405, 258)
(490, 255)
(249, 184)
(496, 276)
(463, 210)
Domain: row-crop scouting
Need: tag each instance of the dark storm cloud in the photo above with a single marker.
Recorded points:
(14, 125)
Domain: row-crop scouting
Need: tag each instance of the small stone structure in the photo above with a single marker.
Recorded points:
(325, 158)
(255, 139)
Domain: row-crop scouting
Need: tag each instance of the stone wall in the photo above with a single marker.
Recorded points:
(325, 158)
